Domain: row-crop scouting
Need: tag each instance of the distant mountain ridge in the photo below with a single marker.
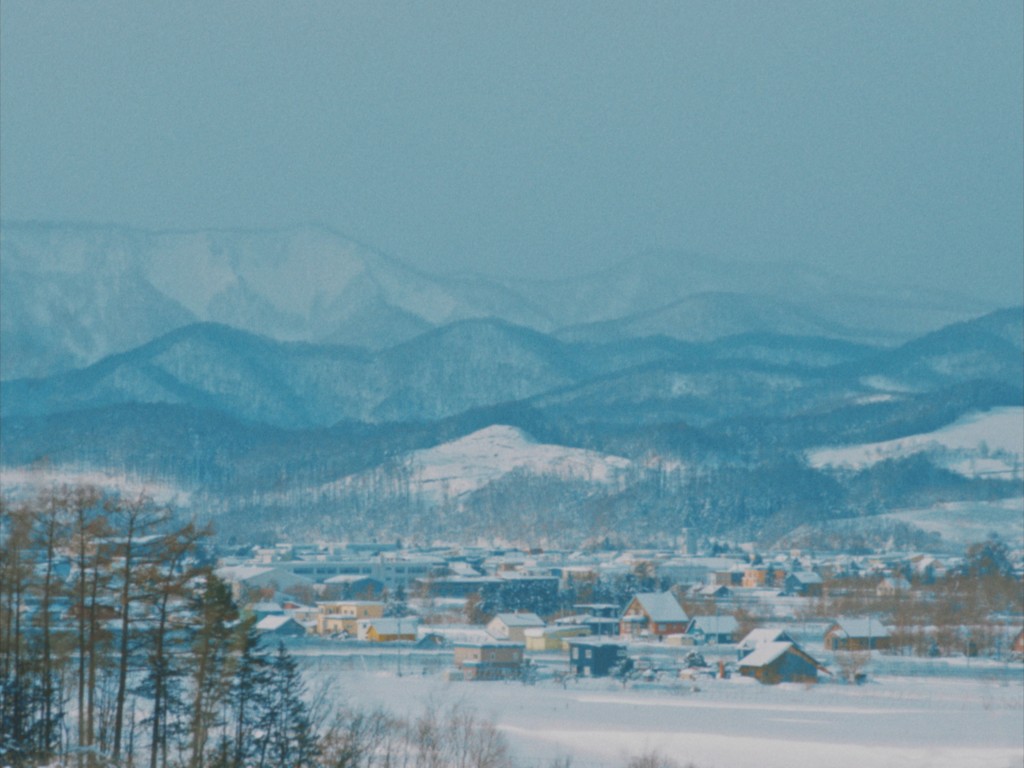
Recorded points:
(635, 437)
(473, 364)
(296, 382)
(72, 295)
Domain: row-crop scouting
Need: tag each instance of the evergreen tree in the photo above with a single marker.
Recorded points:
(290, 740)
(212, 665)
(244, 727)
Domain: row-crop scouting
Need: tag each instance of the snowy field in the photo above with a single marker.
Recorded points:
(965, 522)
(928, 715)
(26, 483)
(980, 444)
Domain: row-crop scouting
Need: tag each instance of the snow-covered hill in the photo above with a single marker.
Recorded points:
(457, 468)
(464, 465)
(980, 444)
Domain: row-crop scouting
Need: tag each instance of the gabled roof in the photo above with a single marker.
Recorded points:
(713, 625)
(763, 635)
(860, 627)
(271, 623)
(767, 653)
(661, 607)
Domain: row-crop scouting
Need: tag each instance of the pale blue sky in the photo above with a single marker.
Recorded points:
(536, 137)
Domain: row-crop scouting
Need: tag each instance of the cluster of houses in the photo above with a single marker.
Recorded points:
(350, 593)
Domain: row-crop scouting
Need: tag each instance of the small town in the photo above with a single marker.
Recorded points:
(777, 617)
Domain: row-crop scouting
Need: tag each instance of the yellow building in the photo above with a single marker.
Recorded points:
(552, 638)
(389, 630)
(343, 616)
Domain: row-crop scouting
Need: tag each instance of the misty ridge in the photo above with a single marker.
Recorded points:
(309, 384)
(75, 294)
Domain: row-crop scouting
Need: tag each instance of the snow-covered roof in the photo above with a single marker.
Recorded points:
(765, 654)
(271, 623)
(714, 625)
(661, 607)
(350, 578)
(487, 644)
(242, 572)
(862, 627)
(709, 589)
(807, 577)
(520, 619)
(763, 636)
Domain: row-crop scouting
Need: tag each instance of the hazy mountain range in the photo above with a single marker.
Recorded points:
(301, 382)
(73, 295)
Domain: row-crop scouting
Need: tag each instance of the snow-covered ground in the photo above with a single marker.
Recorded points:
(923, 720)
(462, 466)
(475, 460)
(966, 522)
(27, 483)
(980, 444)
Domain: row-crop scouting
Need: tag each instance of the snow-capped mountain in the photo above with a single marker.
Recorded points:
(72, 295)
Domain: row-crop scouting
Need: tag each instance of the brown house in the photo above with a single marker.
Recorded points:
(653, 613)
(755, 577)
(866, 634)
(489, 661)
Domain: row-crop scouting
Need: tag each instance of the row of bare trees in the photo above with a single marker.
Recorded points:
(120, 647)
